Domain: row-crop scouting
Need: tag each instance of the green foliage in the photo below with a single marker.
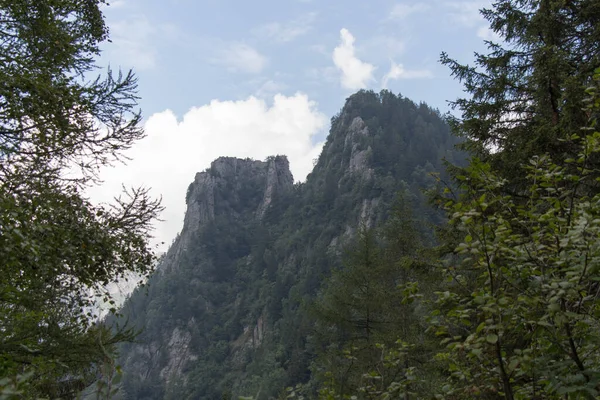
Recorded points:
(110, 375)
(14, 387)
(370, 316)
(521, 314)
(519, 310)
(391, 377)
(239, 274)
(58, 251)
(527, 93)
(516, 316)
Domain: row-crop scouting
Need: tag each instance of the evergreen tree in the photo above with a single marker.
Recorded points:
(519, 310)
(371, 324)
(527, 93)
(56, 247)
(520, 313)
(353, 312)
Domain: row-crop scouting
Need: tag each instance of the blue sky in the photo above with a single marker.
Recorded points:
(255, 78)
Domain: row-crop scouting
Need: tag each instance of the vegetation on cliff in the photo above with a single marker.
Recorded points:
(353, 284)
(230, 310)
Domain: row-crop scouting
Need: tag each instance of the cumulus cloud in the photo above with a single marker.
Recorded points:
(356, 74)
(175, 149)
(402, 11)
(397, 71)
(283, 32)
(240, 57)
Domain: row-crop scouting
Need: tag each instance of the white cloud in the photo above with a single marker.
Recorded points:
(269, 88)
(402, 10)
(288, 31)
(174, 150)
(356, 74)
(467, 13)
(397, 71)
(240, 57)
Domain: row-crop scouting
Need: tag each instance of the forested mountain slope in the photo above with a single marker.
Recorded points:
(225, 314)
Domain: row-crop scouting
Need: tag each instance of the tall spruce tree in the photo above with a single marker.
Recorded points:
(526, 94)
(353, 313)
(370, 333)
(521, 312)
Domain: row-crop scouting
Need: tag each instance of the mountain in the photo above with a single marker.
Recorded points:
(226, 312)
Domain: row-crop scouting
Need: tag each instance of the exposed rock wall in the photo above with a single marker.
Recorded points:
(167, 356)
(225, 317)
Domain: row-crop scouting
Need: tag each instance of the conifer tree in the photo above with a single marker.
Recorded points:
(57, 127)
(526, 94)
(370, 332)
(521, 313)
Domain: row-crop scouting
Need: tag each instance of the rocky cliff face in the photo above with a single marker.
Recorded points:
(227, 180)
(232, 188)
(227, 315)
(234, 175)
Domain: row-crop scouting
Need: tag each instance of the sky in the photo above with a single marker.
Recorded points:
(258, 78)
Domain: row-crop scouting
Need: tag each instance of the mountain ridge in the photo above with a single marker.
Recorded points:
(225, 316)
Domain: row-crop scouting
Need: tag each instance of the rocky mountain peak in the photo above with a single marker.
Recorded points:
(224, 318)
(236, 185)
